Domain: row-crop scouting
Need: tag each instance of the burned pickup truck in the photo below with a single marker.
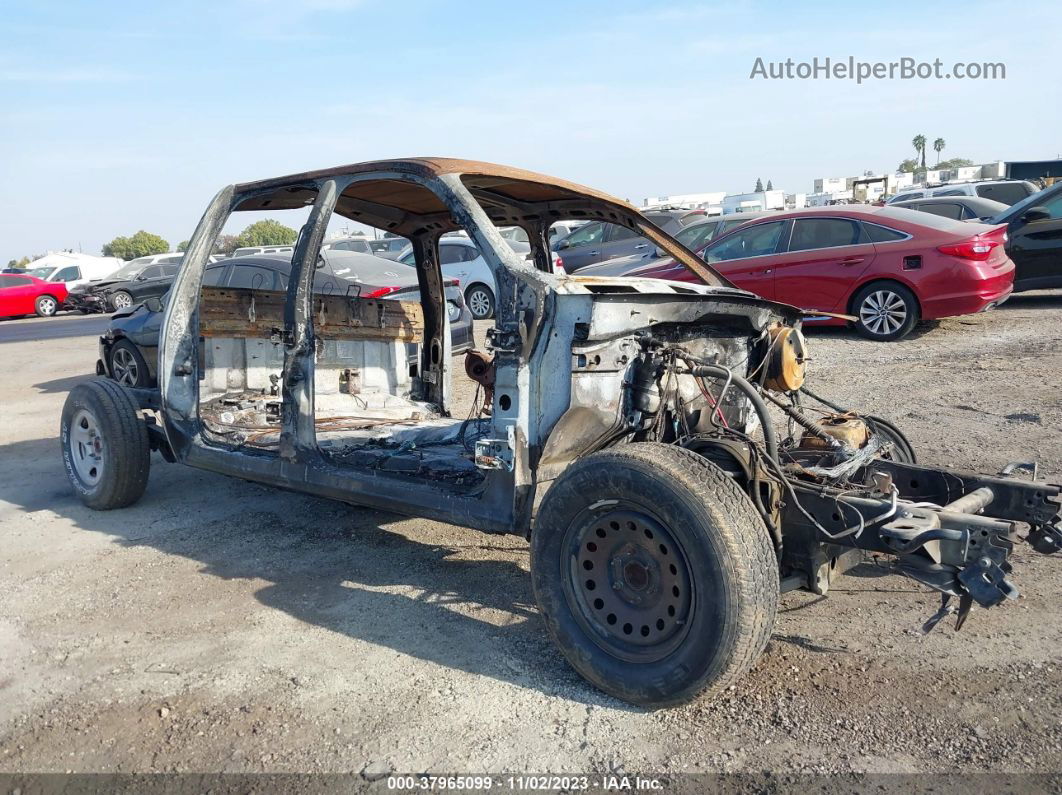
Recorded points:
(654, 441)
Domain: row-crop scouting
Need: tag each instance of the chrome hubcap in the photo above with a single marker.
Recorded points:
(479, 303)
(883, 312)
(47, 306)
(124, 367)
(86, 448)
(122, 301)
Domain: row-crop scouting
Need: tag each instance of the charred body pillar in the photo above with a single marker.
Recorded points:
(298, 436)
(429, 277)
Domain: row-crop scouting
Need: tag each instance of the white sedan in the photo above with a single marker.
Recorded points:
(461, 260)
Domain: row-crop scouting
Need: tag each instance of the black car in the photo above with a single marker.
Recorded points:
(598, 241)
(959, 208)
(136, 281)
(129, 346)
(1034, 239)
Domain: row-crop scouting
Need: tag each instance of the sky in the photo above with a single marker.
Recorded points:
(119, 116)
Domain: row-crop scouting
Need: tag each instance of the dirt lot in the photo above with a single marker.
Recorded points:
(222, 626)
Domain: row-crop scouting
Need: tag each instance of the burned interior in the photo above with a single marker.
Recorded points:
(381, 368)
(655, 441)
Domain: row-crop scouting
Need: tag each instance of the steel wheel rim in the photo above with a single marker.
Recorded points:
(628, 583)
(86, 448)
(122, 301)
(47, 305)
(883, 312)
(479, 303)
(124, 366)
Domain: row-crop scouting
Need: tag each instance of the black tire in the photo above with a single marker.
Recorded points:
(902, 451)
(128, 366)
(480, 301)
(667, 645)
(46, 305)
(119, 299)
(101, 424)
(886, 311)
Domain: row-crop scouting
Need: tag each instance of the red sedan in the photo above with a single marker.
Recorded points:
(27, 295)
(887, 266)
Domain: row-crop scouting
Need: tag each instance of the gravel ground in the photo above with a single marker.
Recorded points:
(222, 626)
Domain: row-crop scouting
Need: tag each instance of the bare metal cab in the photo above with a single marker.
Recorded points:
(655, 441)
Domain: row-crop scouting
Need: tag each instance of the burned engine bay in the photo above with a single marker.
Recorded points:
(833, 484)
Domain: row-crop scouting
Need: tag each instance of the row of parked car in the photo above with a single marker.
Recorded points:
(884, 268)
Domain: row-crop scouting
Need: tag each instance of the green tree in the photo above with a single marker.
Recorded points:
(22, 263)
(182, 246)
(910, 164)
(955, 162)
(759, 185)
(770, 185)
(266, 233)
(919, 143)
(938, 147)
(139, 245)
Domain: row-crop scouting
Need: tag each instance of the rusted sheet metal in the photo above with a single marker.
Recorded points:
(260, 313)
(431, 167)
(508, 195)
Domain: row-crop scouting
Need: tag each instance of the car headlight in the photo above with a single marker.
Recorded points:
(454, 311)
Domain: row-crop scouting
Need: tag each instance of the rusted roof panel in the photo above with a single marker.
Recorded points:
(515, 182)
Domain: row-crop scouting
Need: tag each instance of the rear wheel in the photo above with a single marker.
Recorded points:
(105, 445)
(886, 311)
(46, 306)
(480, 300)
(655, 575)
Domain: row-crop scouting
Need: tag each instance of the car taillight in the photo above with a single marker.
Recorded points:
(558, 265)
(381, 292)
(977, 248)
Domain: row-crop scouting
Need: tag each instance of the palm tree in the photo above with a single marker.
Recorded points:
(919, 143)
(938, 147)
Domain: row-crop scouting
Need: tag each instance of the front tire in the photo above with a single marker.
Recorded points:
(121, 300)
(105, 445)
(128, 366)
(46, 306)
(886, 311)
(480, 300)
(655, 575)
